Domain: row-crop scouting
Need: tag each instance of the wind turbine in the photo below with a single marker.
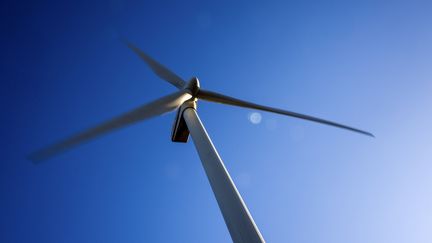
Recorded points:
(238, 219)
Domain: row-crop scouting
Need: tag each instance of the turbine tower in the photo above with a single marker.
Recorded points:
(238, 219)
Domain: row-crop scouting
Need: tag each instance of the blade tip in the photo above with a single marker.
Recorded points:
(34, 159)
(369, 134)
(39, 156)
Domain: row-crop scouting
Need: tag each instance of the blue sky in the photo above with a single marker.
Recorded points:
(362, 63)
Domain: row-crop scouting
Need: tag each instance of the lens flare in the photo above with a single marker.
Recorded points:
(255, 118)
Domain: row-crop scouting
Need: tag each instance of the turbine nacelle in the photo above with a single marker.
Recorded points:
(180, 131)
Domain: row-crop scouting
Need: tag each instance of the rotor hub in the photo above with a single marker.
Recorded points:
(193, 86)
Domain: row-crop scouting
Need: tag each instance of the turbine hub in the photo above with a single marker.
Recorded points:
(193, 86)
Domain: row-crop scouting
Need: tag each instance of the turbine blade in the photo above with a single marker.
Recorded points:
(161, 71)
(157, 107)
(220, 98)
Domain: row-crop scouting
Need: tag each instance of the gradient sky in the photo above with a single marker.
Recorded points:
(362, 63)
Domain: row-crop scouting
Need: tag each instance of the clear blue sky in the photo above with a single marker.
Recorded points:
(363, 63)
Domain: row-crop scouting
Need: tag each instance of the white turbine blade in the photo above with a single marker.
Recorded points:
(157, 107)
(161, 71)
(220, 98)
